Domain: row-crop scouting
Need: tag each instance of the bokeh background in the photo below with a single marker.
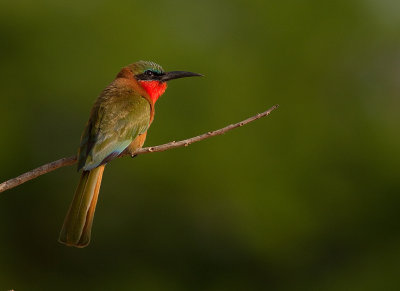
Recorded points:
(305, 199)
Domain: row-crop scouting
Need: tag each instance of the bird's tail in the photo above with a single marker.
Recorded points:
(78, 222)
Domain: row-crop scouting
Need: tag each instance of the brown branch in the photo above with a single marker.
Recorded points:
(174, 144)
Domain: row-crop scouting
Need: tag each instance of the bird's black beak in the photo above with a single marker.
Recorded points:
(178, 74)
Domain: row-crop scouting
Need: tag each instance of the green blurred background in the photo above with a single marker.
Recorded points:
(305, 199)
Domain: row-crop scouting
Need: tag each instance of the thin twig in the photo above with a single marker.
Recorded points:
(47, 168)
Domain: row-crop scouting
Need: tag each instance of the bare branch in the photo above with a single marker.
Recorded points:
(47, 168)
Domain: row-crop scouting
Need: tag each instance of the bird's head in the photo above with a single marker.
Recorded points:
(152, 77)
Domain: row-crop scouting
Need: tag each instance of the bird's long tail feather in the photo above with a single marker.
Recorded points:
(78, 222)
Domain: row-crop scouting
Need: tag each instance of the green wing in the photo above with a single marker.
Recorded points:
(115, 121)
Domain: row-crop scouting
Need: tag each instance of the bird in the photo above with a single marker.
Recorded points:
(118, 124)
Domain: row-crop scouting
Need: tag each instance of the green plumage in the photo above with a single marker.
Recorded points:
(116, 119)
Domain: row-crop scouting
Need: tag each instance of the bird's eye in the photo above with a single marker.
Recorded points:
(149, 73)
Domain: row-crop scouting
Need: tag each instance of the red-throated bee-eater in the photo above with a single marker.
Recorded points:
(118, 124)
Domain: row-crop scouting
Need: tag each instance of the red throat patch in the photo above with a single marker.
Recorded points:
(154, 88)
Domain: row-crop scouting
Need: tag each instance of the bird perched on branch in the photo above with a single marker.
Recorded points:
(118, 124)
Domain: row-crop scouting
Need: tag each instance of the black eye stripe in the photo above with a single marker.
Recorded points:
(149, 75)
